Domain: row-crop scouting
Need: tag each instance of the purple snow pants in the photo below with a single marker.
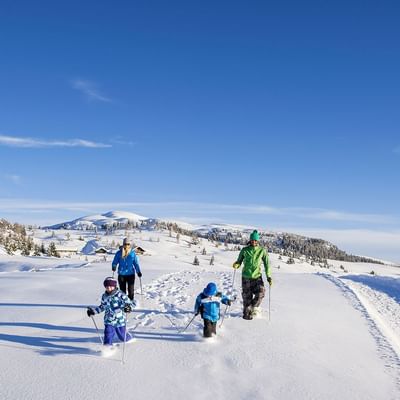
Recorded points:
(110, 331)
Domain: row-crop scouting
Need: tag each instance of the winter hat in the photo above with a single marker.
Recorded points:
(126, 241)
(210, 289)
(110, 281)
(255, 236)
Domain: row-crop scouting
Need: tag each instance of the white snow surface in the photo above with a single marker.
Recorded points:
(330, 334)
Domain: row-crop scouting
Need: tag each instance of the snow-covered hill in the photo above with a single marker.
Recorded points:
(101, 220)
(329, 334)
(289, 244)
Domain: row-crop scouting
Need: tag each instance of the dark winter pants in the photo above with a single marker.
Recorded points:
(209, 328)
(110, 331)
(253, 291)
(129, 280)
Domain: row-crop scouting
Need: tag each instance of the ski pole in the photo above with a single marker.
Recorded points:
(187, 326)
(97, 329)
(123, 347)
(223, 316)
(226, 308)
(233, 280)
(269, 303)
(141, 289)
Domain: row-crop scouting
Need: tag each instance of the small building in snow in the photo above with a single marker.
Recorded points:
(102, 250)
(66, 252)
(139, 250)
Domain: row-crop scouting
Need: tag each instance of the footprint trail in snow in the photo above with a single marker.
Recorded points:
(167, 302)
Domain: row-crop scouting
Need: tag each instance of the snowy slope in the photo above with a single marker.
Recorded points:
(329, 334)
(98, 220)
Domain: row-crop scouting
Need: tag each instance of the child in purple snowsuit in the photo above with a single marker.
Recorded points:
(115, 305)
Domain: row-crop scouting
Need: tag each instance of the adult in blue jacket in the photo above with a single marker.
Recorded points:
(128, 265)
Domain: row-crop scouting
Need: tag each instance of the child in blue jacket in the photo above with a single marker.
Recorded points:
(208, 304)
(115, 305)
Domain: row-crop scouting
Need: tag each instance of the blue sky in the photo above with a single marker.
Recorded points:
(279, 114)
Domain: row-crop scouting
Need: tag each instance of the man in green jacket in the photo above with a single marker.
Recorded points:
(253, 290)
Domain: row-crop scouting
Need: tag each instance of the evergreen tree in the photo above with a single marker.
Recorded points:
(25, 250)
(36, 250)
(52, 250)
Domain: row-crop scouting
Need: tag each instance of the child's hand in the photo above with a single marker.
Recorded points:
(90, 312)
(128, 308)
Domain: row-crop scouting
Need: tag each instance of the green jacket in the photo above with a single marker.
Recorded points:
(252, 257)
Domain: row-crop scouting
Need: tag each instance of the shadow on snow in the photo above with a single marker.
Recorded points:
(387, 285)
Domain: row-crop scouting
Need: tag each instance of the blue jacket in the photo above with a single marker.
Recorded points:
(128, 265)
(113, 306)
(209, 306)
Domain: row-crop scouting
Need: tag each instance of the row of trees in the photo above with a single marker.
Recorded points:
(314, 250)
(289, 245)
(13, 238)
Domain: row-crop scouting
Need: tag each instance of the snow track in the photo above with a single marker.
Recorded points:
(381, 313)
(168, 301)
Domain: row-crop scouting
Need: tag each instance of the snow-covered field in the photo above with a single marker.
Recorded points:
(330, 334)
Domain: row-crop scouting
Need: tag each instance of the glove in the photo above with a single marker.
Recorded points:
(128, 308)
(90, 312)
(236, 265)
(197, 313)
(233, 298)
(139, 274)
(229, 303)
(269, 280)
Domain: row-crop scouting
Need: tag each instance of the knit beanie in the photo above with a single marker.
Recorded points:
(255, 236)
(110, 281)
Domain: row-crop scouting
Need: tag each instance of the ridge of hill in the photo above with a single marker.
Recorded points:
(287, 244)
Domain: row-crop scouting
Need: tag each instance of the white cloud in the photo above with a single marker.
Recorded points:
(90, 90)
(303, 213)
(13, 178)
(123, 142)
(200, 208)
(208, 211)
(331, 215)
(13, 141)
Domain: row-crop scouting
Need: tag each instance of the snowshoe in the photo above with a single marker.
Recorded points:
(256, 312)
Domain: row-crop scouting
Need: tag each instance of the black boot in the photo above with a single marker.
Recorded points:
(247, 316)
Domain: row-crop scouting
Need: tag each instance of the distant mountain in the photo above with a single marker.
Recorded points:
(286, 244)
(102, 221)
